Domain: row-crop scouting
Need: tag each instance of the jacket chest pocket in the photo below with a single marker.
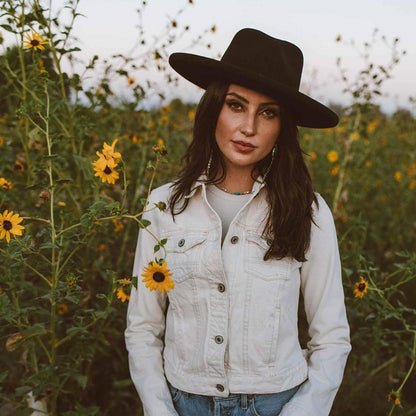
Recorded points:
(184, 253)
(269, 270)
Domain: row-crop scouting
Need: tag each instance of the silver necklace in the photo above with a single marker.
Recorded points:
(233, 193)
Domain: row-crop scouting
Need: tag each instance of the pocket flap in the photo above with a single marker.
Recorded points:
(180, 243)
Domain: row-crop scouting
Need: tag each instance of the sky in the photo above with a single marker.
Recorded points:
(108, 27)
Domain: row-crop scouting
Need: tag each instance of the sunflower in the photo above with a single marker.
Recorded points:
(125, 281)
(118, 225)
(398, 176)
(158, 277)
(71, 280)
(62, 308)
(9, 224)
(122, 295)
(109, 153)
(105, 169)
(394, 397)
(5, 184)
(334, 170)
(19, 166)
(361, 288)
(332, 156)
(35, 41)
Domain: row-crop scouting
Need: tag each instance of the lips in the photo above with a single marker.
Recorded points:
(243, 146)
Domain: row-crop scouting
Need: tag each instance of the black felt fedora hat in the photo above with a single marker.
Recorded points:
(262, 63)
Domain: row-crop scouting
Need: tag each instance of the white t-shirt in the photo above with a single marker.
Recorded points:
(225, 205)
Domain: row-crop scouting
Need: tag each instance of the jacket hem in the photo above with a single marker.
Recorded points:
(238, 383)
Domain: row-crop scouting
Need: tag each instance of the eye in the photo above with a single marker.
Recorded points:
(270, 113)
(234, 105)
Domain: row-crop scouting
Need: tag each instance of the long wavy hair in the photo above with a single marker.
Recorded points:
(287, 180)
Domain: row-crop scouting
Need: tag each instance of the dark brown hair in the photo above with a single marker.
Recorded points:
(288, 182)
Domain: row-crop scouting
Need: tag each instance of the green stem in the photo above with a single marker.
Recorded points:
(344, 163)
(57, 61)
(54, 260)
(38, 273)
(411, 366)
(24, 98)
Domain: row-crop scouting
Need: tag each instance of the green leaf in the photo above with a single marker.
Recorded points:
(7, 312)
(23, 391)
(102, 314)
(86, 220)
(144, 223)
(36, 329)
(8, 28)
(101, 296)
(74, 297)
(149, 165)
(134, 281)
(48, 244)
(75, 330)
(3, 376)
(81, 380)
(156, 248)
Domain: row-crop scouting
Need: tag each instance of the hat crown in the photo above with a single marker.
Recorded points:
(265, 56)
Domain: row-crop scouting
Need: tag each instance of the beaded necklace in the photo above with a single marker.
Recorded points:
(233, 193)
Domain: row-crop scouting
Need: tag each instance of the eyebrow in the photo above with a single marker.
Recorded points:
(234, 94)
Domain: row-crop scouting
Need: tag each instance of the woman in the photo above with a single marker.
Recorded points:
(245, 233)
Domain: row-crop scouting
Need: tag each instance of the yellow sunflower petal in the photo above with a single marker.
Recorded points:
(157, 277)
(16, 219)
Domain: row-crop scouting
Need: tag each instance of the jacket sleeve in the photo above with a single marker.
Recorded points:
(145, 331)
(329, 342)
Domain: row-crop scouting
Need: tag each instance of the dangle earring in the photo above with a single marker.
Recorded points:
(209, 165)
(274, 152)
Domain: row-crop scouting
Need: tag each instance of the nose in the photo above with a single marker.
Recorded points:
(248, 125)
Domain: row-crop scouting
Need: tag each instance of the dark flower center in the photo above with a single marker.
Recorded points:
(158, 277)
(107, 170)
(361, 287)
(7, 225)
(34, 42)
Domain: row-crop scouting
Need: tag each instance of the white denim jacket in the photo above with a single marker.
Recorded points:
(231, 323)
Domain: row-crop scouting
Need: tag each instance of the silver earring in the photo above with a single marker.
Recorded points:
(209, 165)
(274, 152)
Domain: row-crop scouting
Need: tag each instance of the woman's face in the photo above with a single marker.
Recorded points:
(247, 128)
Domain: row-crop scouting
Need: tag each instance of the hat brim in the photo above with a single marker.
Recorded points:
(202, 71)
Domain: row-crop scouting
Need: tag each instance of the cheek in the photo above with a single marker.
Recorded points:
(223, 129)
(271, 135)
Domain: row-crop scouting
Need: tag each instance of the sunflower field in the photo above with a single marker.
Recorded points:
(77, 163)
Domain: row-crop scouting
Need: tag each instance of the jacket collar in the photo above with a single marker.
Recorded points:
(201, 183)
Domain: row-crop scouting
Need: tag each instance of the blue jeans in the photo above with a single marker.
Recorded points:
(188, 404)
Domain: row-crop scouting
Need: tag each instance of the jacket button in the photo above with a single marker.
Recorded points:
(221, 288)
(181, 242)
(234, 239)
(219, 339)
(220, 387)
